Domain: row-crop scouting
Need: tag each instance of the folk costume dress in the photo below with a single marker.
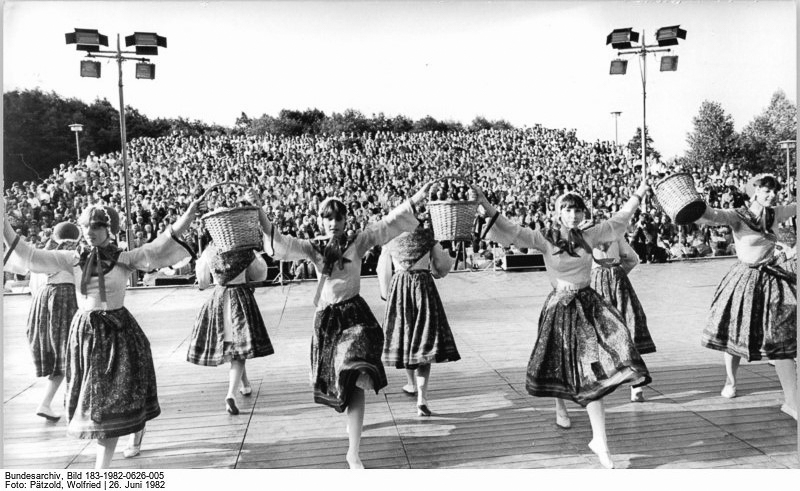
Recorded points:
(754, 310)
(111, 381)
(347, 342)
(52, 308)
(229, 326)
(583, 350)
(416, 331)
(612, 263)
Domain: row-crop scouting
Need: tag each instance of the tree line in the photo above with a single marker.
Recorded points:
(37, 138)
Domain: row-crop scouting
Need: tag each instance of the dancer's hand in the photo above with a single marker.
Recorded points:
(421, 195)
(642, 190)
(251, 196)
(484, 207)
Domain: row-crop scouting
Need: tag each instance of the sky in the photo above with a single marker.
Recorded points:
(533, 62)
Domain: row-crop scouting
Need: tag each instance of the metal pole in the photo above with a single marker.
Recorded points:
(616, 132)
(128, 236)
(644, 117)
(788, 177)
(77, 148)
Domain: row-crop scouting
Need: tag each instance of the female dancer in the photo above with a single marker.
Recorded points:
(53, 307)
(347, 341)
(613, 261)
(111, 381)
(229, 326)
(754, 310)
(584, 350)
(416, 330)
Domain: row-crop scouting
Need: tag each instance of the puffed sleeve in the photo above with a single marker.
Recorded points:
(384, 271)
(613, 228)
(441, 262)
(257, 270)
(163, 251)
(399, 220)
(26, 258)
(203, 268)
(288, 248)
(627, 256)
(506, 232)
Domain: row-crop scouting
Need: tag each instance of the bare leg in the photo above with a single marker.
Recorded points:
(355, 422)
(246, 389)
(562, 416)
(787, 374)
(731, 367)
(105, 452)
(234, 377)
(423, 375)
(411, 382)
(44, 410)
(599, 443)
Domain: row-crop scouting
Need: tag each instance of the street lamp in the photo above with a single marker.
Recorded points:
(77, 128)
(146, 43)
(788, 145)
(616, 116)
(626, 39)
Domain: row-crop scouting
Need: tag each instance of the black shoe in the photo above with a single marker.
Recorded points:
(230, 405)
(422, 410)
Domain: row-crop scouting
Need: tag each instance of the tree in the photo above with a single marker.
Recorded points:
(759, 139)
(635, 145)
(714, 140)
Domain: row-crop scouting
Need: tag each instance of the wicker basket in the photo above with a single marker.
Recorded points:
(452, 219)
(234, 228)
(679, 198)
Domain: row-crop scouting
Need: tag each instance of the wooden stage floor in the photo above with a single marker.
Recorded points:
(483, 418)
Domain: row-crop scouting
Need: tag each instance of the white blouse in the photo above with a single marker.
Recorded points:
(343, 284)
(163, 251)
(752, 247)
(564, 271)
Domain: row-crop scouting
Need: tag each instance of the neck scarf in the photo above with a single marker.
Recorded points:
(762, 222)
(571, 244)
(97, 261)
(333, 252)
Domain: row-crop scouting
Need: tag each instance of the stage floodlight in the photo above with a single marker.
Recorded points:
(619, 67)
(88, 40)
(146, 39)
(90, 69)
(146, 71)
(668, 36)
(669, 63)
(622, 38)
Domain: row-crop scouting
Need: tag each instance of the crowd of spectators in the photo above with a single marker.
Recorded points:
(520, 170)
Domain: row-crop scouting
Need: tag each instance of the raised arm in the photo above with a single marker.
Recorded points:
(26, 258)
(504, 231)
(614, 228)
(401, 219)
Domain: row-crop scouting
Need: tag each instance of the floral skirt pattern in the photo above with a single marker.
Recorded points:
(346, 346)
(583, 351)
(416, 330)
(111, 381)
(754, 313)
(250, 338)
(613, 285)
(51, 314)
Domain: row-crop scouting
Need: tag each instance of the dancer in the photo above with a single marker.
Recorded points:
(229, 326)
(347, 341)
(52, 309)
(583, 350)
(754, 310)
(111, 382)
(613, 261)
(416, 331)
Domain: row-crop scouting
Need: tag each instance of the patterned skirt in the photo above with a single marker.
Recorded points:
(583, 351)
(754, 313)
(416, 330)
(51, 314)
(346, 347)
(249, 334)
(111, 381)
(613, 285)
